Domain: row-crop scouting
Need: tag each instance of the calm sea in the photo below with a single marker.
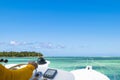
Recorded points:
(106, 65)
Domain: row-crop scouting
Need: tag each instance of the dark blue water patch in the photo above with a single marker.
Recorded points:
(114, 77)
(85, 58)
(99, 67)
(67, 58)
(78, 67)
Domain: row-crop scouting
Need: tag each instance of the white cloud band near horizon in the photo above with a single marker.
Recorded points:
(37, 45)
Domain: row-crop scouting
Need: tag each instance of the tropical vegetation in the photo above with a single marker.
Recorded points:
(20, 54)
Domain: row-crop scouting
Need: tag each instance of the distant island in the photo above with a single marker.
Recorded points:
(20, 54)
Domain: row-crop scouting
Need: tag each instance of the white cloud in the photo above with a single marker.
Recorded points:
(47, 45)
(14, 43)
(37, 45)
(60, 46)
(50, 46)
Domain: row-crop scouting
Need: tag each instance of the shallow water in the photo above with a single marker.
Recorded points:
(106, 65)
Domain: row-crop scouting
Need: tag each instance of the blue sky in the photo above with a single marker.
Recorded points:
(61, 27)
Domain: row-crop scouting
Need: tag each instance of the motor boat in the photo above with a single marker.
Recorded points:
(44, 72)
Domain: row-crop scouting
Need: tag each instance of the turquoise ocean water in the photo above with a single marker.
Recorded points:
(106, 65)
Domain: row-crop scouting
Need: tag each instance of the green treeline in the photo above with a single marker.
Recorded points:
(20, 54)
